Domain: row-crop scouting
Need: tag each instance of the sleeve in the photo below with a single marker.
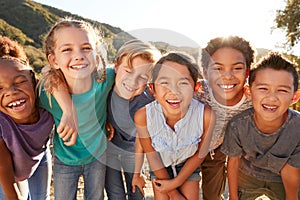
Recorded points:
(43, 99)
(294, 159)
(110, 76)
(232, 144)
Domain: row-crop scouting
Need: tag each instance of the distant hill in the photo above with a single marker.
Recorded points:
(28, 22)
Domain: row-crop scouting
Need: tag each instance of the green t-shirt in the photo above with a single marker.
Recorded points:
(91, 112)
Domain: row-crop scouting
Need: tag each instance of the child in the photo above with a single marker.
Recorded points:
(263, 142)
(73, 50)
(226, 63)
(25, 161)
(175, 130)
(133, 64)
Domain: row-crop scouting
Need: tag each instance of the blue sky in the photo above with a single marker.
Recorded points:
(189, 22)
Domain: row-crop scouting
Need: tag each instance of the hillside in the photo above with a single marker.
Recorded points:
(27, 22)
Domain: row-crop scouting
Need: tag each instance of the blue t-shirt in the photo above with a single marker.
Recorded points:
(26, 142)
(91, 111)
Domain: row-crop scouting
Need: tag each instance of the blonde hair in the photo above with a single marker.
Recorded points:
(54, 78)
(137, 48)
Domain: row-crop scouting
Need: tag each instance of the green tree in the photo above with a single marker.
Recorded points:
(288, 19)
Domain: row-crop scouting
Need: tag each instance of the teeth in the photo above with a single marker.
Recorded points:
(226, 86)
(128, 88)
(16, 103)
(78, 66)
(269, 107)
(173, 101)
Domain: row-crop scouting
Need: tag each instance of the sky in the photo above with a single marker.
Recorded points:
(185, 22)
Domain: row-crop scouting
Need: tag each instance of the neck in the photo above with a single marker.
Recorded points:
(269, 127)
(78, 86)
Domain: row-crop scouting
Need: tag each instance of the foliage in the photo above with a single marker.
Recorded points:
(288, 19)
(28, 22)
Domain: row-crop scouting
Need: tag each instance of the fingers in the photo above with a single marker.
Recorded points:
(67, 134)
(72, 140)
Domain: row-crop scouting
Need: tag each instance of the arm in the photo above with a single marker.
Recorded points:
(232, 175)
(291, 180)
(194, 161)
(7, 180)
(153, 157)
(138, 180)
(68, 127)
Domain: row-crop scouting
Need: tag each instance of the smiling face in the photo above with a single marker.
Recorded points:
(226, 75)
(17, 92)
(272, 92)
(132, 81)
(74, 54)
(174, 89)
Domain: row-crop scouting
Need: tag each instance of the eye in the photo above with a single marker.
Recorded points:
(145, 78)
(66, 50)
(215, 68)
(283, 91)
(87, 48)
(262, 88)
(239, 68)
(184, 83)
(163, 83)
(127, 70)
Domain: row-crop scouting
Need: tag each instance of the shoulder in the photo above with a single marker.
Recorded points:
(140, 117)
(242, 118)
(110, 73)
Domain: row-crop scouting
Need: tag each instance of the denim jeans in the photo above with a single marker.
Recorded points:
(120, 161)
(66, 178)
(37, 186)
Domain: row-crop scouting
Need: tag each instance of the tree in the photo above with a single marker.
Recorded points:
(289, 20)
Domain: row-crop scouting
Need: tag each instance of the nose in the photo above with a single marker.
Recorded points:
(78, 55)
(272, 96)
(9, 91)
(227, 74)
(174, 89)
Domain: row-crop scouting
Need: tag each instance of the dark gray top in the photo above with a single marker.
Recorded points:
(263, 155)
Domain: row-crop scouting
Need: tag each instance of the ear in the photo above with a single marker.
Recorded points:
(247, 91)
(197, 86)
(51, 59)
(151, 88)
(296, 97)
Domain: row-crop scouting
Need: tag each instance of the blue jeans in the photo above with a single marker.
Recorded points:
(120, 161)
(37, 186)
(66, 178)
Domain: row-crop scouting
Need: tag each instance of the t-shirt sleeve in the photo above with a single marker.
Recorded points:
(231, 145)
(110, 76)
(294, 159)
(43, 99)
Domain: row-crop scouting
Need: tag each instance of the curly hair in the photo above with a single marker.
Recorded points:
(233, 42)
(11, 48)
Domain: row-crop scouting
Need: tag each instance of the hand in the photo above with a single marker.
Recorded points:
(139, 180)
(164, 186)
(68, 128)
(110, 130)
